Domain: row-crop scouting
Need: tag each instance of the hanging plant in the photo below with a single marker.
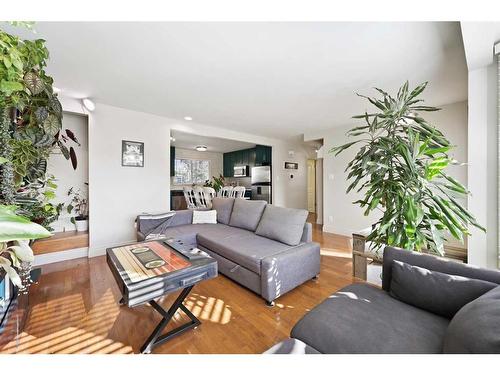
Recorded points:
(401, 169)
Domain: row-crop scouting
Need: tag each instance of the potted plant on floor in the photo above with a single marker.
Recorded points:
(400, 167)
(79, 205)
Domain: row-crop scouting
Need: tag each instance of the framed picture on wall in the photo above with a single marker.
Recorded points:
(290, 165)
(132, 154)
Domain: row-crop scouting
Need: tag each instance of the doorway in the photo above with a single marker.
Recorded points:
(311, 185)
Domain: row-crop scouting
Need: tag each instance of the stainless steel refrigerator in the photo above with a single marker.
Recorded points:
(261, 183)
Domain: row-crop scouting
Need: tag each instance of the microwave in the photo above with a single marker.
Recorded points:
(241, 171)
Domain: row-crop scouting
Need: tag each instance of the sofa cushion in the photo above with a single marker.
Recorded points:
(365, 319)
(476, 327)
(282, 224)
(246, 249)
(433, 263)
(189, 232)
(291, 346)
(224, 207)
(246, 214)
(435, 291)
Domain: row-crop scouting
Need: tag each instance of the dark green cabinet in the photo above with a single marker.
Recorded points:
(172, 161)
(263, 155)
(260, 155)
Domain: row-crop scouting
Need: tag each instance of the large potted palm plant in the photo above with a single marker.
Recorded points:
(401, 170)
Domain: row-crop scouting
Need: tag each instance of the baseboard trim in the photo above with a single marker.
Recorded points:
(61, 256)
(328, 228)
(96, 251)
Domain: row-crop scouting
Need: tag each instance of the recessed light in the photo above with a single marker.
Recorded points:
(201, 148)
(89, 104)
(172, 139)
(188, 118)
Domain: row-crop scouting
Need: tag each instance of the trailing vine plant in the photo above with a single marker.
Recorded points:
(401, 169)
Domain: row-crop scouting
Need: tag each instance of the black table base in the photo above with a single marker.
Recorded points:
(156, 338)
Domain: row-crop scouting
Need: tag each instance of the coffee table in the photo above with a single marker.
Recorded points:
(148, 270)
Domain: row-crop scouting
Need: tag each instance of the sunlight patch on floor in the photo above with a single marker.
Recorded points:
(335, 253)
(208, 308)
(83, 332)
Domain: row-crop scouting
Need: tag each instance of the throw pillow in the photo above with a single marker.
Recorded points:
(205, 217)
(224, 207)
(476, 327)
(437, 292)
(282, 224)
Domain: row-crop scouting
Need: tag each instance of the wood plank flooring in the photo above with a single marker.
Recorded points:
(74, 309)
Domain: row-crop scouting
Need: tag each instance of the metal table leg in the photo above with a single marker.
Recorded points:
(156, 338)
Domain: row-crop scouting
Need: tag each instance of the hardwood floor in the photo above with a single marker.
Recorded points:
(74, 309)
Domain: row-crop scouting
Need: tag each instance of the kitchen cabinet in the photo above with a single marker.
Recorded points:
(260, 155)
(263, 155)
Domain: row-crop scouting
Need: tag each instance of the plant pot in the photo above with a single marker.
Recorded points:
(82, 224)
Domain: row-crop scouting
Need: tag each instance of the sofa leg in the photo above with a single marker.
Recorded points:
(315, 277)
(270, 303)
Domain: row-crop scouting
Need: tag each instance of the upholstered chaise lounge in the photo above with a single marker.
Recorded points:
(266, 248)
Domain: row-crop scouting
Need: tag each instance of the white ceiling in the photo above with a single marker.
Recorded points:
(270, 79)
(479, 40)
(190, 141)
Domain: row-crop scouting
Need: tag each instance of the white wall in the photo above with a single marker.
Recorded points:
(482, 169)
(117, 194)
(62, 169)
(215, 159)
(341, 216)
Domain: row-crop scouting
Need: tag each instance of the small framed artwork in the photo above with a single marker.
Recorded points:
(132, 154)
(290, 165)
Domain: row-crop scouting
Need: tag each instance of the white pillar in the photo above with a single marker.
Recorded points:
(482, 165)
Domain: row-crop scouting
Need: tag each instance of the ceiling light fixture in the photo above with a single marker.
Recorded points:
(89, 104)
(172, 139)
(201, 148)
(188, 118)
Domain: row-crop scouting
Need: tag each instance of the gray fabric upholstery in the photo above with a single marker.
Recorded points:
(283, 271)
(433, 263)
(364, 319)
(476, 327)
(282, 224)
(182, 217)
(246, 214)
(240, 252)
(291, 346)
(306, 233)
(235, 272)
(435, 291)
(246, 249)
(224, 207)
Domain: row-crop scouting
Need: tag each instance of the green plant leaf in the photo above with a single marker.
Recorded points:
(14, 227)
(34, 83)
(52, 125)
(9, 87)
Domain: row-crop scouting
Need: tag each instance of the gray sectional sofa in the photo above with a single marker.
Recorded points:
(266, 248)
(426, 305)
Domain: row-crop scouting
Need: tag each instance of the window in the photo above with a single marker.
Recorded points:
(191, 171)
